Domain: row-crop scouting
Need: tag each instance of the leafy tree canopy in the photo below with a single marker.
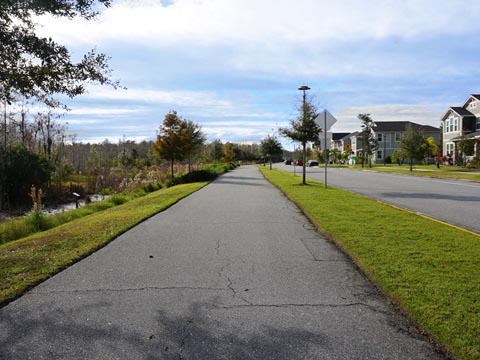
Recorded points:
(37, 67)
(217, 153)
(413, 145)
(271, 147)
(304, 128)
(369, 142)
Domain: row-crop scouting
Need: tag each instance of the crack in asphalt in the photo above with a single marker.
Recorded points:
(230, 285)
(129, 289)
(252, 305)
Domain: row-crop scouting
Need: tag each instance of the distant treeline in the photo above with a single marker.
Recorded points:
(40, 152)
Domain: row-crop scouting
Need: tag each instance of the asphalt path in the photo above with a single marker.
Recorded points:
(234, 271)
(456, 202)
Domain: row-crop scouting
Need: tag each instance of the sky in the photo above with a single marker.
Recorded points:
(234, 66)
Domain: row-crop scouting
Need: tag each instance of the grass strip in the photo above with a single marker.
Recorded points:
(425, 171)
(31, 260)
(16, 229)
(431, 270)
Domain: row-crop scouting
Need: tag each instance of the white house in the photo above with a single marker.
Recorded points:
(460, 122)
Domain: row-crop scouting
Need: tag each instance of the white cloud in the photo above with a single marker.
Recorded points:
(180, 97)
(420, 114)
(103, 111)
(271, 23)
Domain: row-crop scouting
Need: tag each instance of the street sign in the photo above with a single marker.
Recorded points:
(325, 118)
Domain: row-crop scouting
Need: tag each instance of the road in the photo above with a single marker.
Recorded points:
(234, 271)
(453, 201)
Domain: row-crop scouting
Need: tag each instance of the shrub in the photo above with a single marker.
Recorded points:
(118, 199)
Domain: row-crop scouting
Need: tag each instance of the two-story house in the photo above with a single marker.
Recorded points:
(339, 141)
(389, 135)
(461, 122)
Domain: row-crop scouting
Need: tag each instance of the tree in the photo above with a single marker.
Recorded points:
(413, 145)
(431, 146)
(369, 142)
(38, 67)
(194, 138)
(22, 169)
(228, 153)
(271, 147)
(216, 150)
(303, 129)
(170, 142)
(466, 147)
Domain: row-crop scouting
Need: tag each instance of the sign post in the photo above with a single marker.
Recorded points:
(328, 121)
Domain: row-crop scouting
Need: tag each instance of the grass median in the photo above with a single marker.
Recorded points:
(31, 260)
(430, 269)
(444, 172)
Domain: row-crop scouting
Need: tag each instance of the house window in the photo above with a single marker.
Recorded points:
(379, 137)
(473, 104)
(379, 154)
(447, 124)
(398, 137)
(450, 148)
(477, 127)
(455, 124)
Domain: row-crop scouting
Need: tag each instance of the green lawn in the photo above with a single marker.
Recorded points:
(31, 260)
(446, 172)
(430, 269)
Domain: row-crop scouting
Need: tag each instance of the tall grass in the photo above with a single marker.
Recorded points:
(37, 221)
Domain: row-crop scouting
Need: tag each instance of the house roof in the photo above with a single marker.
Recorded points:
(385, 126)
(458, 110)
(476, 96)
(349, 135)
(338, 136)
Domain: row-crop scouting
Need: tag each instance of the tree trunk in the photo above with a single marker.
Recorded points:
(411, 164)
(270, 158)
(171, 166)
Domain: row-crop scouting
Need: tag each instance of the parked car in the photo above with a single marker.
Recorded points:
(288, 162)
(312, 163)
(299, 162)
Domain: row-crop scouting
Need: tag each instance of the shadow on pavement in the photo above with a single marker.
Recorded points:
(190, 335)
(430, 196)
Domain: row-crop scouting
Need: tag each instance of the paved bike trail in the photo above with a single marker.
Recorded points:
(234, 271)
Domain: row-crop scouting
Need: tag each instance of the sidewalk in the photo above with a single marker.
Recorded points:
(234, 271)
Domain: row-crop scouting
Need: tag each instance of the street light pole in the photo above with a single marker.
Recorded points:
(304, 88)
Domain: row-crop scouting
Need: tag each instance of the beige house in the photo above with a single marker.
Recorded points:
(461, 122)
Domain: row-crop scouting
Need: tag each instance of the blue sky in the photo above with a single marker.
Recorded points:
(234, 66)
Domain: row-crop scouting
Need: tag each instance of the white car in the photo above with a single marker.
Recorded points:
(312, 163)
